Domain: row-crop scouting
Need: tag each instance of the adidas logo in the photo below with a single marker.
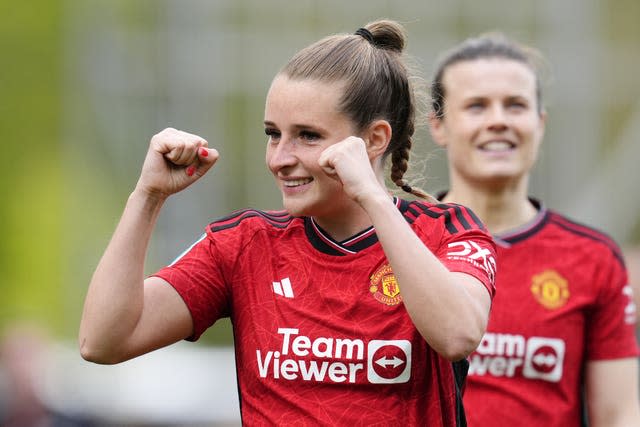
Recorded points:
(283, 288)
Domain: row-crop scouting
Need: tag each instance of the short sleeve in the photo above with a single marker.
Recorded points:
(472, 252)
(612, 321)
(458, 238)
(198, 278)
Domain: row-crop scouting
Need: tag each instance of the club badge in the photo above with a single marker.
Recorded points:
(550, 289)
(384, 286)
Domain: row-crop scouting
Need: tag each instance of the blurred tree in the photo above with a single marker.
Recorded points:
(85, 84)
(30, 176)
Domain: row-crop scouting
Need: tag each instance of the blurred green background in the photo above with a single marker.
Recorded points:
(85, 84)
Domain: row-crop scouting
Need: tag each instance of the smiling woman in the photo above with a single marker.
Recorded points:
(563, 317)
(348, 291)
(299, 131)
(492, 129)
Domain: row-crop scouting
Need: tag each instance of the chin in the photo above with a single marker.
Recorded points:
(295, 208)
(499, 178)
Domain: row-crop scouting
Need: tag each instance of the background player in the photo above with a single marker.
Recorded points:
(563, 316)
(322, 333)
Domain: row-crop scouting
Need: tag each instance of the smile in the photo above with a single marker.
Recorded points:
(297, 182)
(497, 146)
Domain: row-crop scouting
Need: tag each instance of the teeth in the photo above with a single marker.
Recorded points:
(297, 182)
(497, 146)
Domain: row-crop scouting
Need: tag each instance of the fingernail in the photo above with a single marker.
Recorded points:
(204, 152)
(191, 170)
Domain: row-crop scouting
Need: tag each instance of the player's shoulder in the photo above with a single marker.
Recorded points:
(248, 219)
(455, 217)
(585, 234)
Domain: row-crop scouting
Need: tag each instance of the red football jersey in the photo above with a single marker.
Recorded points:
(563, 299)
(321, 334)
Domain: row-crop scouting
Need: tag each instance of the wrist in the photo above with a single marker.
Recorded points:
(376, 200)
(152, 200)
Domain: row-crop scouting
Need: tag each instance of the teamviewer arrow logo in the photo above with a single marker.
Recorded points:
(389, 361)
(385, 363)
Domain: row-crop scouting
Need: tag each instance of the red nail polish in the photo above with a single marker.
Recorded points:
(204, 152)
(191, 170)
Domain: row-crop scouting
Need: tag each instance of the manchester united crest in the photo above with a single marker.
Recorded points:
(384, 286)
(550, 289)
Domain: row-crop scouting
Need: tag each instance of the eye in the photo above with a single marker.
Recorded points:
(309, 136)
(517, 104)
(475, 106)
(273, 134)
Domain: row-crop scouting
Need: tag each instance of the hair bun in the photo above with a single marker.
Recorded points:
(387, 34)
(365, 34)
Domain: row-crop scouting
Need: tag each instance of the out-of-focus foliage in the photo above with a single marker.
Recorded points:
(32, 247)
(85, 84)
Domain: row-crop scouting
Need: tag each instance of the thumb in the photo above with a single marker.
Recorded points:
(207, 157)
(326, 162)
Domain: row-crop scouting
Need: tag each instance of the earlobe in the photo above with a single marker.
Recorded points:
(543, 121)
(436, 130)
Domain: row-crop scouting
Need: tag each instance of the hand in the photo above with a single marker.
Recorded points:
(175, 160)
(348, 162)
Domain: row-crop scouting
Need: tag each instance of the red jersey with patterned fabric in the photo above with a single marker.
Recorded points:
(321, 334)
(563, 299)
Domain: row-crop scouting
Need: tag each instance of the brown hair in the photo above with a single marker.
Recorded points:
(377, 86)
(489, 45)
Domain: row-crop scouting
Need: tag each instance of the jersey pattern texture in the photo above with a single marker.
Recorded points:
(321, 334)
(563, 300)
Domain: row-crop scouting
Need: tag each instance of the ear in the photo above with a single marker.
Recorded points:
(543, 123)
(377, 138)
(436, 128)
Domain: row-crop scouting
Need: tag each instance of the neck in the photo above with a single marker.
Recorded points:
(343, 227)
(345, 220)
(500, 209)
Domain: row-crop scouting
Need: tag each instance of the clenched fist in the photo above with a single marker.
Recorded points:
(175, 160)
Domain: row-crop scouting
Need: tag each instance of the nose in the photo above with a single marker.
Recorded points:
(497, 118)
(281, 154)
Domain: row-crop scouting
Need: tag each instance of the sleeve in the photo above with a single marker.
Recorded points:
(612, 321)
(460, 240)
(197, 276)
(472, 252)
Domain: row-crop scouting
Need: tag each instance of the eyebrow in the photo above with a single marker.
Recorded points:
(298, 127)
(484, 97)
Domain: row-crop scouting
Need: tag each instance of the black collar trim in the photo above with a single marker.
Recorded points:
(323, 242)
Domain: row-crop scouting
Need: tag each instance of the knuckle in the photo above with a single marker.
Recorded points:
(163, 133)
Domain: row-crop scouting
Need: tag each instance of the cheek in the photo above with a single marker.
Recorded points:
(460, 138)
(462, 127)
(326, 186)
(268, 159)
(529, 126)
(458, 155)
(535, 149)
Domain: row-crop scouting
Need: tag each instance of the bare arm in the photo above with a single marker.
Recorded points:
(612, 393)
(123, 316)
(450, 310)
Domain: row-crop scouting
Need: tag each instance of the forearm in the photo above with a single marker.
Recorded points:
(450, 319)
(114, 300)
